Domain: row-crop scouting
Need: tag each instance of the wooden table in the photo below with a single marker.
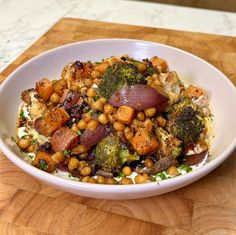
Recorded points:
(207, 206)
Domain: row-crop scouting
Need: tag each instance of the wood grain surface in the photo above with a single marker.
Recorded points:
(207, 206)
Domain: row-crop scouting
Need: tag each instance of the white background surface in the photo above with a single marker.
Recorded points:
(22, 22)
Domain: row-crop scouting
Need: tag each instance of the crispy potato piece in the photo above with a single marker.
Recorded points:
(125, 114)
(51, 121)
(64, 138)
(144, 142)
(44, 162)
(159, 63)
(193, 92)
(45, 88)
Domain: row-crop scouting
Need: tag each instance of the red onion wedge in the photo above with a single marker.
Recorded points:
(139, 97)
(195, 159)
(89, 138)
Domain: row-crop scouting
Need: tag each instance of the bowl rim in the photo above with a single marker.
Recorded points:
(68, 183)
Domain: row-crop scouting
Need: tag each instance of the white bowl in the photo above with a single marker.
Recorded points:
(193, 69)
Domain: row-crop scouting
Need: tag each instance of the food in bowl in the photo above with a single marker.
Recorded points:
(117, 121)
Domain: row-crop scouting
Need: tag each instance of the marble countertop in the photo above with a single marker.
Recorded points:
(23, 22)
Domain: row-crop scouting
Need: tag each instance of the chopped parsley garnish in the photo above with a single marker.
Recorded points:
(43, 165)
(186, 168)
(23, 136)
(95, 97)
(79, 132)
(34, 141)
(162, 175)
(120, 175)
(66, 152)
(22, 116)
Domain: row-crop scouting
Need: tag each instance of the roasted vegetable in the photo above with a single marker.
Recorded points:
(144, 142)
(110, 155)
(169, 146)
(45, 88)
(117, 76)
(185, 122)
(64, 138)
(51, 121)
(44, 162)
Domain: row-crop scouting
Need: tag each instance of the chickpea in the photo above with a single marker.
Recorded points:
(102, 67)
(23, 143)
(87, 117)
(120, 134)
(108, 109)
(86, 179)
(135, 123)
(161, 122)
(31, 148)
(82, 164)
(126, 181)
(96, 81)
(141, 67)
(127, 130)
(173, 171)
(92, 125)
(140, 116)
(80, 149)
(95, 74)
(103, 118)
(118, 126)
(129, 135)
(85, 171)
(91, 92)
(150, 112)
(148, 163)
(127, 171)
(103, 99)
(82, 124)
(101, 179)
(148, 124)
(111, 181)
(55, 98)
(141, 178)
(92, 181)
(73, 163)
(111, 119)
(88, 82)
(83, 89)
(98, 105)
(58, 157)
(83, 155)
(75, 128)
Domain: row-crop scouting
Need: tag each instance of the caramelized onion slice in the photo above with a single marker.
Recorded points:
(89, 138)
(139, 97)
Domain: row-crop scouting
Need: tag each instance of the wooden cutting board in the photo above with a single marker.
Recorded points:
(207, 206)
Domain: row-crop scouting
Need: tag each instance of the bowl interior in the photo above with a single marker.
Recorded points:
(190, 68)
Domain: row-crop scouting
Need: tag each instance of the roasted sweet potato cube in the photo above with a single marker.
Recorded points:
(44, 162)
(144, 142)
(125, 114)
(45, 88)
(51, 121)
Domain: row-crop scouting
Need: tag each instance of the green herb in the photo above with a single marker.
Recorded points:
(186, 168)
(153, 178)
(34, 141)
(23, 136)
(87, 109)
(120, 175)
(95, 98)
(162, 175)
(22, 116)
(43, 165)
(79, 132)
(66, 152)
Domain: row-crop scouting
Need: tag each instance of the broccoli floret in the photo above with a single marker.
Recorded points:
(117, 76)
(169, 145)
(110, 156)
(185, 122)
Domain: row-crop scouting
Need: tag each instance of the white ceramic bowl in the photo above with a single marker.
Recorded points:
(193, 69)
